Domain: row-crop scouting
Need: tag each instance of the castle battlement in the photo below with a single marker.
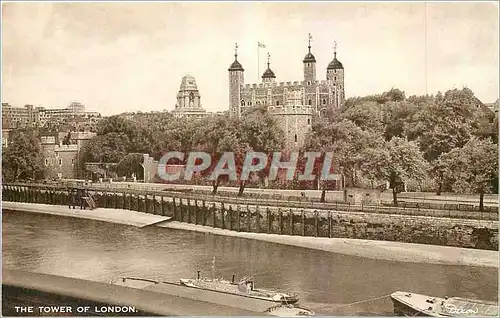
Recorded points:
(81, 135)
(48, 140)
(291, 110)
(66, 148)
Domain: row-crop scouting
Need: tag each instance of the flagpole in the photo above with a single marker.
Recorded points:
(258, 61)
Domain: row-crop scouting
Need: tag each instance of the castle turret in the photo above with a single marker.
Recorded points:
(335, 77)
(236, 80)
(309, 65)
(268, 76)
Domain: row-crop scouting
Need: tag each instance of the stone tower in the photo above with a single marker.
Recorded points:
(309, 65)
(188, 99)
(335, 76)
(236, 80)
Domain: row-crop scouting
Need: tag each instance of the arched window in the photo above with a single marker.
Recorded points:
(308, 121)
(242, 102)
(324, 101)
(310, 102)
(335, 78)
(295, 137)
(277, 103)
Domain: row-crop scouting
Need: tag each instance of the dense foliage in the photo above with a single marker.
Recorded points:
(446, 142)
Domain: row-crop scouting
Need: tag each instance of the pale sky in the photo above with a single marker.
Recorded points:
(117, 57)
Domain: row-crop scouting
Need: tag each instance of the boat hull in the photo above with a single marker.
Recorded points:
(231, 288)
(409, 304)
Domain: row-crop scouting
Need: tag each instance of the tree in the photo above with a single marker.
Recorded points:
(130, 165)
(445, 122)
(22, 158)
(472, 168)
(347, 141)
(259, 133)
(366, 115)
(403, 161)
(398, 116)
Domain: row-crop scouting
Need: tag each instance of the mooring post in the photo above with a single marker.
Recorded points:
(257, 212)
(238, 217)
(290, 215)
(280, 220)
(196, 211)
(214, 216)
(330, 224)
(204, 213)
(249, 224)
(222, 216)
(181, 210)
(268, 220)
(162, 205)
(189, 210)
(303, 223)
(175, 210)
(316, 223)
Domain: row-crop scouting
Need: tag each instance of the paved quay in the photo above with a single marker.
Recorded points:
(385, 250)
(119, 216)
(50, 288)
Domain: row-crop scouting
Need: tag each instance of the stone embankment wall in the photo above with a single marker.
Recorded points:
(446, 231)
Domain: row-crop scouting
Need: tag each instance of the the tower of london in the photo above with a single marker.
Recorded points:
(294, 103)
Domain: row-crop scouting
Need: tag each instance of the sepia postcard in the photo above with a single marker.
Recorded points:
(242, 158)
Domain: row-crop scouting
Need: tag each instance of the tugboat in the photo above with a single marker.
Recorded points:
(409, 304)
(245, 287)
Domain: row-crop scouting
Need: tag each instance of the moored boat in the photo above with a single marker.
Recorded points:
(409, 304)
(245, 287)
(285, 310)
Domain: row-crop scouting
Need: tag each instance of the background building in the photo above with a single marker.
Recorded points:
(189, 100)
(74, 115)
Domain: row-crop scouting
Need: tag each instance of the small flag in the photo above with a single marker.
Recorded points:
(261, 44)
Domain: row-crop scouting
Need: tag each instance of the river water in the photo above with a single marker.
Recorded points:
(327, 283)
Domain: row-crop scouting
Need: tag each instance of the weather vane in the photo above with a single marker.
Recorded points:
(235, 48)
(335, 47)
(268, 59)
(310, 38)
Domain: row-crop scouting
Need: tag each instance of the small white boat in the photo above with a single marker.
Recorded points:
(244, 287)
(409, 304)
(289, 311)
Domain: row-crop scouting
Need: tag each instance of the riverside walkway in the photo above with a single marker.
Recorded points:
(119, 216)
